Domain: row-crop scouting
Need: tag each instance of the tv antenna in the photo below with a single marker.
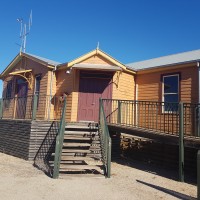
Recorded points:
(24, 31)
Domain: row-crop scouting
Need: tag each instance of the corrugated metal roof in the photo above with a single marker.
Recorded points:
(179, 58)
(50, 62)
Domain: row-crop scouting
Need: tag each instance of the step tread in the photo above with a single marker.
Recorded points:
(78, 150)
(76, 144)
(83, 167)
(69, 161)
(76, 138)
(82, 137)
(80, 158)
(70, 126)
(62, 175)
(75, 132)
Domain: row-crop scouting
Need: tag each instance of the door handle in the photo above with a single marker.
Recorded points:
(93, 103)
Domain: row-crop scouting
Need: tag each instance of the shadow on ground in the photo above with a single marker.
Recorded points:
(167, 191)
(155, 169)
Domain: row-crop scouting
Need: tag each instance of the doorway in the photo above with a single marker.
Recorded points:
(21, 90)
(93, 86)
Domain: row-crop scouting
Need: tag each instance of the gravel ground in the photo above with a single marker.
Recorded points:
(20, 180)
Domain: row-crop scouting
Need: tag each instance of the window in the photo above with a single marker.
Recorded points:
(37, 87)
(9, 90)
(170, 92)
(37, 84)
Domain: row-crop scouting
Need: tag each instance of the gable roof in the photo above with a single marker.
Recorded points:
(179, 58)
(97, 51)
(44, 61)
(88, 55)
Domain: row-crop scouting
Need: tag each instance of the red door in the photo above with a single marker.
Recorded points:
(22, 88)
(92, 87)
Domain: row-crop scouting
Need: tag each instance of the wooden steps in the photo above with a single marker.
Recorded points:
(81, 152)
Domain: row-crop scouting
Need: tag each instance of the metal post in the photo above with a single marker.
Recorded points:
(198, 122)
(100, 104)
(59, 142)
(109, 158)
(119, 112)
(198, 175)
(35, 103)
(181, 142)
(1, 108)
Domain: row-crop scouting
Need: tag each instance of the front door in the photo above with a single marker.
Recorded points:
(93, 86)
(22, 88)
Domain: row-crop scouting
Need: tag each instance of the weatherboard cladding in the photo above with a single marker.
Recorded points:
(179, 58)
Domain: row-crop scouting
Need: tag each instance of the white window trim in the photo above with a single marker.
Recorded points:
(163, 111)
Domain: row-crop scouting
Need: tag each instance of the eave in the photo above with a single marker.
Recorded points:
(167, 67)
(68, 65)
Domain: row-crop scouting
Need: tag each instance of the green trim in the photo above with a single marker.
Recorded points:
(105, 140)
(59, 142)
(181, 142)
(198, 175)
(35, 103)
(1, 108)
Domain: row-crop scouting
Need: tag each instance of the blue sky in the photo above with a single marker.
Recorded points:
(128, 30)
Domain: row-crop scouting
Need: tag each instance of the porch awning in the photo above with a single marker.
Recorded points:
(20, 72)
(97, 67)
(26, 74)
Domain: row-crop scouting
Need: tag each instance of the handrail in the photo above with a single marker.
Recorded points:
(156, 116)
(46, 149)
(31, 107)
(105, 140)
(59, 142)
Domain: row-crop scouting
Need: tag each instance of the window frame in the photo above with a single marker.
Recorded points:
(163, 93)
(36, 76)
(37, 92)
(9, 90)
(8, 97)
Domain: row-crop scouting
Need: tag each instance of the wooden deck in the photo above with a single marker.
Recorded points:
(189, 141)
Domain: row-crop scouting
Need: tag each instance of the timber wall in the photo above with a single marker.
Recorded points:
(23, 138)
(123, 86)
(37, 69)
(150, 84)
(65, 84)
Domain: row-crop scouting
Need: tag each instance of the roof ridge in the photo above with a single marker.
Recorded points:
(172, 59)
(169, 55)
(49, 61)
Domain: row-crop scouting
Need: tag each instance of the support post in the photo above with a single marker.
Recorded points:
(35, 103)
(1, 108)
(198, 175)
(59, 142)
(181, 142)
(198, 122)
(109, 158)
(100, 104)
(119, 112)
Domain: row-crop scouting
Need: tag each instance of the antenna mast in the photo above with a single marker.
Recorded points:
(24, 32)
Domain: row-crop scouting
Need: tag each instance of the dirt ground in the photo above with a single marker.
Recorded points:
(21, 181)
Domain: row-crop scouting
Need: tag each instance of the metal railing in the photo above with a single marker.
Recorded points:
(105, 140)
(33, 107)
(44, 156)
(59, 142)
(160, 117)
